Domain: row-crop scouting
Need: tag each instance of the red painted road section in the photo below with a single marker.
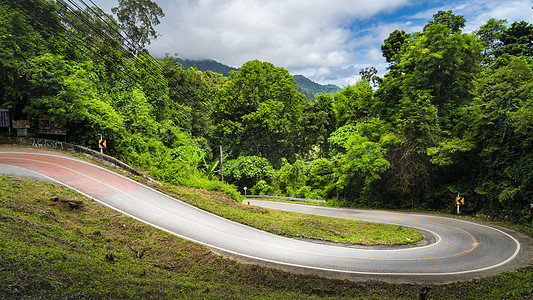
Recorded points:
(84, 177)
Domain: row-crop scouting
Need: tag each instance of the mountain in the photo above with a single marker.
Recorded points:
(310, 88)
(207, 65)
(305, 86)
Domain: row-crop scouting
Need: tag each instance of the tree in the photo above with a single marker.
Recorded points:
(290, 178)
(360, 158)
(451, 21)
(191, 92)
(433, 78)
(392, 46)
(247, 171)
(67, 91)
(257, 109)
(370, 75)
(354, 103)
(490, 35)
(317, 123)
(423, 97)
(517, 40)
(27, 29)
(137, 19)
(500, 128)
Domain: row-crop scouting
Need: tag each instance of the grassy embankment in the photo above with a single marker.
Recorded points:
(49, 250)
(296, 225)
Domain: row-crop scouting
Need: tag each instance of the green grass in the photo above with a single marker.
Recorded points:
(50, 251)
(297, 225)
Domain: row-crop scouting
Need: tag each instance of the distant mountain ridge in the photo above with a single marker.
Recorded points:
(207, 65)
(310, 88)
(305, 85)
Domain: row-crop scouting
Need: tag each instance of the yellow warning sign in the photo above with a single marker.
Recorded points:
(460, 200)
(101, 144)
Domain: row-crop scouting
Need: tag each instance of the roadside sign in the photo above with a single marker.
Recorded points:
(21, 124)
(4, 116)
(460, 200)
(102, 144)
(49, 125)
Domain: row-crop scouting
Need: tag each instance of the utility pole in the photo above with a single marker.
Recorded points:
(531, 213)
(221, 164)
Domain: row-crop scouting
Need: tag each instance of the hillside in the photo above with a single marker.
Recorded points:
(314, 88)
(207, 65)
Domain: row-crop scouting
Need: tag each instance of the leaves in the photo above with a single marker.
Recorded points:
(256, 108)
(444, 153)
(137, 18)
(247, 171)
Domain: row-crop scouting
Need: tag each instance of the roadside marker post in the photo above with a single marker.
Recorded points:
(101, 143)
(459, 201)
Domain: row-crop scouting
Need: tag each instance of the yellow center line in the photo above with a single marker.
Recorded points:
(475, 243)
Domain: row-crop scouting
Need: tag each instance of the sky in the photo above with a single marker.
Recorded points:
(328, 41)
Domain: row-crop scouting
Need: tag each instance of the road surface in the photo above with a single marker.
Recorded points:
(454, 249)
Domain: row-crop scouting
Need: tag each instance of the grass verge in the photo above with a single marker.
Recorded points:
(49, 250)
(296, 225)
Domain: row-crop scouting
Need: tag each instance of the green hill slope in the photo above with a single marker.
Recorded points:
(207, 65)
(314, 88)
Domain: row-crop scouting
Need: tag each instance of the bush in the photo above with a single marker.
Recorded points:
(247, 171)
(261, 188)
(290, 178)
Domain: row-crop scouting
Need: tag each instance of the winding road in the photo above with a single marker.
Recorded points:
(453, 249)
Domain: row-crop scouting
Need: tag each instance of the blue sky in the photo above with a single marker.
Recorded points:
(329, 41)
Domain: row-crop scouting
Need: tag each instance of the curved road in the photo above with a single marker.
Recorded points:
(454, 250)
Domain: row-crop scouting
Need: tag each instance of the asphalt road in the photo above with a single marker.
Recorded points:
(453, 250)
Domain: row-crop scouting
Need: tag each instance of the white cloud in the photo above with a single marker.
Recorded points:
(479, 12)
(315, 38)
(294, 34)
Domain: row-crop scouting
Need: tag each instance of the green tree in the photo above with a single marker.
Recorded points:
(191, 92)
(354, 103)
(435, 78)
(517, 40)
(393, 45)
(67, 91)
(317, 123)
(370, 75)
(500, 120)
(27, 29)
(319, 174)
(256, 109)
(137, 19)
(451, 21)
(361, 161)
(290, 178)
(490, 35)
(247, 171)
(423, 98)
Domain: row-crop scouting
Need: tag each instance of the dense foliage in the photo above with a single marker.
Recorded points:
(452, 115)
